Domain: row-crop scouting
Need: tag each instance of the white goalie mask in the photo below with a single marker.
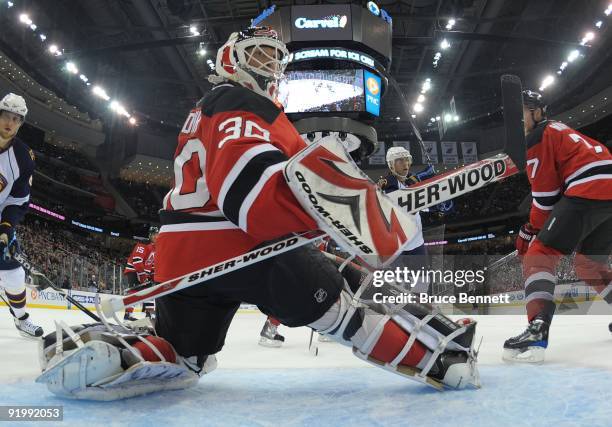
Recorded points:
(395, 153)
(254, 58)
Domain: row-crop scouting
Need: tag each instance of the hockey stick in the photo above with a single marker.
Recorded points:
(413, 125)
(502, 260)
(475, 176)
(47, 283)
(313, 350)
(112, 305)
(457, 182)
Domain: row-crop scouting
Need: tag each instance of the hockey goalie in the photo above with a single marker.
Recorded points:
(240, 181)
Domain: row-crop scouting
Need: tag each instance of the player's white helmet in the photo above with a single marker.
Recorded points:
(254, 58)
(395, 153)
(14, 104)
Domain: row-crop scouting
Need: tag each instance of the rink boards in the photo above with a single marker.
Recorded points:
(51, 299)
(575, 298)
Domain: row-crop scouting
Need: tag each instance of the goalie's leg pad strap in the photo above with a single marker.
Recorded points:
(391, 344)
(371, 333)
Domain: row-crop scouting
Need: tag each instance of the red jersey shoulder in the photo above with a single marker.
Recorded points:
(139, 252)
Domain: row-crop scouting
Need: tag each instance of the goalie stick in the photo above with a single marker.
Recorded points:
(457, 182)
(434, 190)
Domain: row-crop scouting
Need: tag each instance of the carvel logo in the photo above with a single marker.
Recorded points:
(335, 21)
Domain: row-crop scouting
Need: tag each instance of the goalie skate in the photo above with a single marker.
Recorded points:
(456, 373)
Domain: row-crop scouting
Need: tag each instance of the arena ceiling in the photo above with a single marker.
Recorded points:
(142, 51)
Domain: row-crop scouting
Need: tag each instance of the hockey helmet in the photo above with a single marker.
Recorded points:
(254, 58)
(395, 153)
(533, 100)
(14, 104)
(153, 230)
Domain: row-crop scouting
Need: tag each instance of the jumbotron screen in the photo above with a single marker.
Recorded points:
(307, 91)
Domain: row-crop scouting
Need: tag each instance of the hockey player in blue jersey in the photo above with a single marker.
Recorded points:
(16, 169)
(399, 161)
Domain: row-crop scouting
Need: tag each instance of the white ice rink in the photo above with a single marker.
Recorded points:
(256, 386)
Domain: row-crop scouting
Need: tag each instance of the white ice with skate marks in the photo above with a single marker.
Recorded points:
(288, 386)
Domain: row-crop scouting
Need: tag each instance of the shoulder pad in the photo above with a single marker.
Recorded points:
(229, 97)
(23, 153)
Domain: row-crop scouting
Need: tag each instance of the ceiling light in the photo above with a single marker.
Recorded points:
(574, 54)
(598, 24)
(418, 107)
(194, 31)
(132, 121)
(548, 80)
(98, 91)
(444, 44)
(53, 48)
(421, 98)
(451, 23)
(25, 19)
(71, 67)
(587, 38)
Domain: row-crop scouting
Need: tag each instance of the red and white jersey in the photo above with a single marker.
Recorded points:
(229, 192)
(141, 261)
(563, 162)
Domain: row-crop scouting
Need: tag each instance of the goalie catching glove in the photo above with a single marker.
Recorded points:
(91, 362)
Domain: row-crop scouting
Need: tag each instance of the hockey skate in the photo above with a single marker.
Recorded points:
(269, 336)
(528, 347)
(26, 328)
(128, 317)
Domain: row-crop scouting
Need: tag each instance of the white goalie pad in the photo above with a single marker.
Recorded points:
(347, 205)
(93, 363)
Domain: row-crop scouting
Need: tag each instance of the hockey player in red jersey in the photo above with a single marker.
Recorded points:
(571, 183)
(140, 269)
(229, 197)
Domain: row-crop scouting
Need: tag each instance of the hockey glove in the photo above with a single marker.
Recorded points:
(427, 173)
(445, 207)
(8, 242)
(526, 236)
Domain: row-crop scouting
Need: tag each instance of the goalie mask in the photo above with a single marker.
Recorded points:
(396, 153)
(254, 58)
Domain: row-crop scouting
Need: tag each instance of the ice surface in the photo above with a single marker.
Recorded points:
(263, 387)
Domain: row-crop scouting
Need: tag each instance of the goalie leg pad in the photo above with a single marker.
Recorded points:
(93, 363)
(401, 343)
